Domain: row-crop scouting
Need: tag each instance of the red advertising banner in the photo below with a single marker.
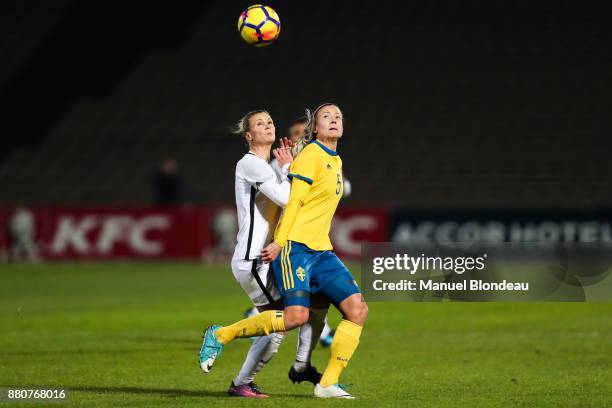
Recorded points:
(109, 233)
(351, 227)
(105, 233)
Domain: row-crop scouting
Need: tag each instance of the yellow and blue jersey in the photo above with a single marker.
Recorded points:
(316, 189)
(307, 263)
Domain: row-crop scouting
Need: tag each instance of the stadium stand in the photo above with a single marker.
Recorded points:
(442, 109)
(24, 26)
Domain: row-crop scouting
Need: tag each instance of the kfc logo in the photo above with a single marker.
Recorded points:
(100, 234)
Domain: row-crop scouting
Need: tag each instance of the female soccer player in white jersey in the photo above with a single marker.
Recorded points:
(307, 263)
(259, 192)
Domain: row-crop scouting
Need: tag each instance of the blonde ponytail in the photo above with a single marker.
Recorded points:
(243, 126)
(306, 136)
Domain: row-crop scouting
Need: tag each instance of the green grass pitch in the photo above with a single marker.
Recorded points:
(127, 334)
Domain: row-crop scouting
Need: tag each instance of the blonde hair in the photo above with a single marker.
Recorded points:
(310, 130)
(243, 126)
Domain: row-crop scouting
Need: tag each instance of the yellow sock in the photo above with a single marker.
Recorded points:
(261, 324)
(343, 346)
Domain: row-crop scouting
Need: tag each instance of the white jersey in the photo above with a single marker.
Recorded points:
(258, 196)
(277, 170)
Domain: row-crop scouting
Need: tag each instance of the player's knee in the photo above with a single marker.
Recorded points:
(358, 313)
(302, 317)
(361, 313)
(295, 316)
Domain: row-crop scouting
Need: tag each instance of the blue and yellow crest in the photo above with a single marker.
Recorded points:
(300, 273)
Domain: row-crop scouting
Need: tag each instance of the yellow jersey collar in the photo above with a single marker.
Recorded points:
(325, 148)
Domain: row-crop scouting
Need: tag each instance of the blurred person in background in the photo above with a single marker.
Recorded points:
(167, 183)
(225, 228)
(22, 232)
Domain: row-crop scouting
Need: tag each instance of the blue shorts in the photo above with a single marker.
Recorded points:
(300, 271)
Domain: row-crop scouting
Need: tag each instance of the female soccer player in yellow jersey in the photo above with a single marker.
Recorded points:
(307, 264)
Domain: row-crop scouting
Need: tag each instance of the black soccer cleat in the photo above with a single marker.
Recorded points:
(310, 374)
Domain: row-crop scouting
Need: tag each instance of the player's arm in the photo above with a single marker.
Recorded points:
(281, 174)
(277, 192)
(258, 174)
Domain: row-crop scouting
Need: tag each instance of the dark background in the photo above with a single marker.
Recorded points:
(448, 104)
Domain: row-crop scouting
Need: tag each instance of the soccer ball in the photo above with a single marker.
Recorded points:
(259, 25)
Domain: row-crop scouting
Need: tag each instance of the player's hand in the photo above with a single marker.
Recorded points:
(270, 253)
(286, 143)
(283, 155)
